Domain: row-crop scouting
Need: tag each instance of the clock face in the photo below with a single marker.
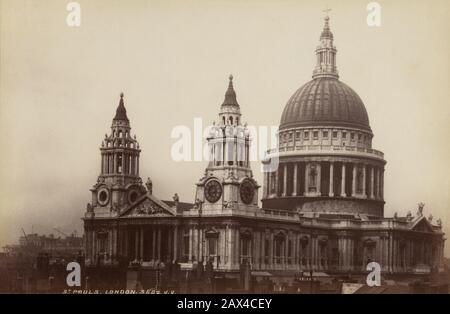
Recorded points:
(247, 191)
(213, 191)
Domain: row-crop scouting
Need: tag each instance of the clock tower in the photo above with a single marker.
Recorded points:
(228, 184)
(119, 183)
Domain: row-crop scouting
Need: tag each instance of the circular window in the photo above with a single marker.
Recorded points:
(103, 197)
(132, 196)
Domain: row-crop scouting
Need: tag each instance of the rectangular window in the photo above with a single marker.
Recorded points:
(315, 135)
(325, 134)
(359, 137)
(306, 135)
(245, 247)
(297, 134)
(352, 136)
(335, 134)
(212, 246)
(344, 134)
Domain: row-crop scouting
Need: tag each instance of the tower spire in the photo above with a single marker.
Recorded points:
(230, 95)
(326, 53)
(121, 112)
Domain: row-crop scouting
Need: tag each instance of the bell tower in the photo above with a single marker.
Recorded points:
(228, 182)
(118, 184)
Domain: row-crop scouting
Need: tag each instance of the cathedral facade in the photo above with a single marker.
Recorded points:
(322, 206)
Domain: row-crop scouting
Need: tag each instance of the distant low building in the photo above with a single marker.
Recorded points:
(56, 247)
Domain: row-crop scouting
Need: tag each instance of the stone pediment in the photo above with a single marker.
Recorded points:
(148, 206)
(422, 224)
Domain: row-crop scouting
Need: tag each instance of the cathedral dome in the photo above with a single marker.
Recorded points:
(325, 101)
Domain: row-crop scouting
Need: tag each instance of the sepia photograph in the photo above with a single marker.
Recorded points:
(253, 148)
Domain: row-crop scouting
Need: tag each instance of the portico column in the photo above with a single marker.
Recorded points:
(154, 245)
(364, 182)
(382, 184)
(175, 243)
(285, 180)
(294, 192)
(141, 243)
(343, 181)
(371, 183)
(190, 246)
(159, 244)
(354, 180)
(331, 189)
(136, 244)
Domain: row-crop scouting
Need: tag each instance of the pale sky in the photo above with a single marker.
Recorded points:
(60, 86)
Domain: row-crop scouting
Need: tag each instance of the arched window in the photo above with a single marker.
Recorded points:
(119, 163)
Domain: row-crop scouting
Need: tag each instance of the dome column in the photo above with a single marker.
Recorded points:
(305, 193)
(285, 180)
(371, 182)
(377, 196)
(343, 181)
(294, 192)
(331, 189)
(364, 182)
(277, 182)
(354, 181)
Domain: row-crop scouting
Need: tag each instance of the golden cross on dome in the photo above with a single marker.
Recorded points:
(327, 11)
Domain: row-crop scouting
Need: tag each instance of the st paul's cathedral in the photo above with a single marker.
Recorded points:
(322, 206)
